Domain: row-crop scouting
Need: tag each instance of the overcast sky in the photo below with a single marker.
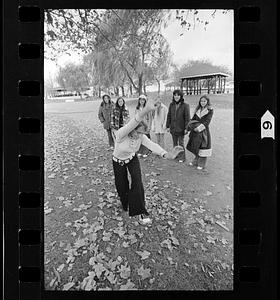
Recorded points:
(215, 43)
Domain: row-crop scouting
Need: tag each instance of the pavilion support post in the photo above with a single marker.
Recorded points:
(215, 84)
(194, 86)
(192, 90)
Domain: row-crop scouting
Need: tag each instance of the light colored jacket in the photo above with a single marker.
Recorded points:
(159, 119)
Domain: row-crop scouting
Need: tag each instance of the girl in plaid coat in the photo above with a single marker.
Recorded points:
(120, 115)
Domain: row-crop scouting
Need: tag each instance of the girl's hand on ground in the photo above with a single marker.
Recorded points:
(174, 152)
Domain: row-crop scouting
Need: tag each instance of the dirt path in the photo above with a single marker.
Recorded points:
(90, 244)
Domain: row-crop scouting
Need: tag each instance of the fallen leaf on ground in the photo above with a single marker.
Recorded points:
(144, 254)
(68, 286)
(144, 273)
(60, 268)
(128, 286)
(124, 271)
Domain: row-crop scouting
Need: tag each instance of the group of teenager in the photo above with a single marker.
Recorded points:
(129, 137)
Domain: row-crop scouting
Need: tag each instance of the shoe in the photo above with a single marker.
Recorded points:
(144, 220)
(139, 154)
(199, 168)
(180, 161)
(190, 164)
(145, 155)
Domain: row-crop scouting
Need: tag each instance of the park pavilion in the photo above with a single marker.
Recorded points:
(204, 84)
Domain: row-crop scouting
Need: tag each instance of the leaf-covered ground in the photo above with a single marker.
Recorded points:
(90, 244)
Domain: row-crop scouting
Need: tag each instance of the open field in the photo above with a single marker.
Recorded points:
(184, 249)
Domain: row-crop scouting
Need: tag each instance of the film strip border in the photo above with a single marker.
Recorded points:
(255, 203)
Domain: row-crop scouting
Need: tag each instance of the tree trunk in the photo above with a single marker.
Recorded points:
(140, 84)
(144, 89)
(130, 90)
(122, 88)
(158, 83)
(99, 92)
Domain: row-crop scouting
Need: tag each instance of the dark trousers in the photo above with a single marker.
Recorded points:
(110, 137)
(133, 197)
(178, 140)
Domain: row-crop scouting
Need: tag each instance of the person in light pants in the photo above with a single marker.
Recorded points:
(159, 123)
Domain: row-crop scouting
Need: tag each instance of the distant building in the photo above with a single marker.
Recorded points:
(214, 83)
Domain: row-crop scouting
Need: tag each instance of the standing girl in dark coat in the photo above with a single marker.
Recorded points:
(200, 139)
(120, 115)
(178, 118)
(104, 115)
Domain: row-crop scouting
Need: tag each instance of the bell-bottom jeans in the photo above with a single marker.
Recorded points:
(132, 197)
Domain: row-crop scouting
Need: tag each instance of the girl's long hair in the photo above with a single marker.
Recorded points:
(208, 105)
(180, 93)
(103, 101)
(142, 125)
(138, 103)
(117, 104)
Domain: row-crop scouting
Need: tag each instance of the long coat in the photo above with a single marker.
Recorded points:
(119, 117)
(200, 142)
(159, 119)
(177, 120)
(104, 114)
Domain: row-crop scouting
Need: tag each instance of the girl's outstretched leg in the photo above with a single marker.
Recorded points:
(136, 196)
(121, 182)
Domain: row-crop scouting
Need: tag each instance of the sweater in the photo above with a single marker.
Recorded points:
(126, 147)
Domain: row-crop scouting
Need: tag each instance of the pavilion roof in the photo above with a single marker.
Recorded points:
(205, 75)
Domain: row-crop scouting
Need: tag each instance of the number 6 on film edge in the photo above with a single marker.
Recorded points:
(267, 125)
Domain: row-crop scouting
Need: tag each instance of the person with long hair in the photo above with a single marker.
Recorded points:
(159, 122)
(104, 115)
(178, 118)
(128, 140)
(200, 139)
(120, 115)
(142, 101)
